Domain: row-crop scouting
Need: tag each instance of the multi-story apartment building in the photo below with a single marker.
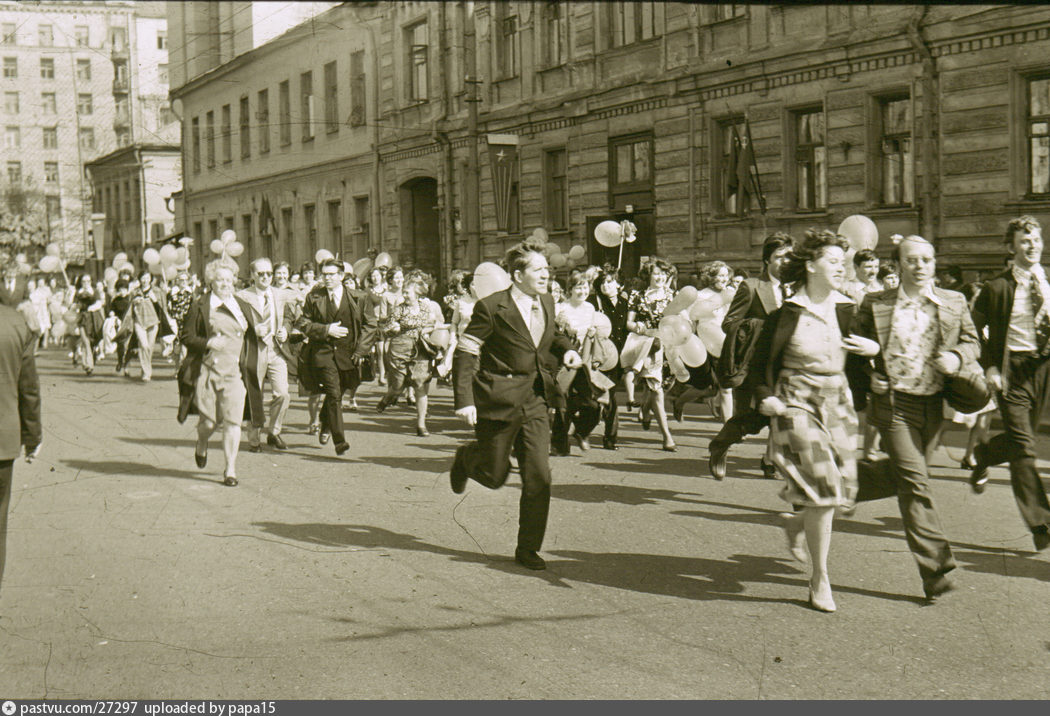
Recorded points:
(79, 80)
(930, 119)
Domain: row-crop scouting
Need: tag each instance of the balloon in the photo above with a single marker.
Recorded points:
(674, 330)
(347, 267)
(540, 233)
(183, 265)
(168, 254)
(602, 325)
(678, 366)
(489, 278)
(362, 267)
(70, 317)
(52, 250)
(110, 274)
(126, 266)
(157, 269)
(235, 249)
(440, 337)
(558, 260)
(712, 337)
(169, 272)
(119, 259)
(706, 306)
(384, 259)
(182, 255)
(49, 263)
(860, 231)
(693, 352)
(608, 234)
(20, 259)
(150, 256)
(682, 300)
(549, 249)
(570, 262)
(58, 328)
(216, 246)
(323, 255)
(228, 236)
(576, 252)
(611, 355)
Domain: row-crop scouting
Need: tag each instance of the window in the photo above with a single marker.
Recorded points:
(46, 36)
(53, 207)
(51, 172)
(47, 68)
(284, 112)
(263, 115)
(246, 230)
(84, 70)
(118, 38)
(508, 42)
(11, 103)
(361, 216)
(85, 105)
(555, 33)
(417, 89)
(87, 138)
(213, 229)
(121, 113)
(732, 168)
(162, 39)
(286, 225)
(335, 226)
(50, 137)
(12, 138)
(1038, 128)
(310, 219)
(331, 99)
(83, 35)
(810, 173)
(557, 189)
(195, 139)
(514, 208)
(198, 230)
(228, 223)
(729, 11)
(9, 34)
(246, 129)
(123, 137)
(48, 103)
(630, 22)
(10, 68)
(226, 130)
(167, 116)
(162, 74)
(14, 173)
(306, 104)
(357, 89)
(896, 166)
(209, 137)
(631, 161)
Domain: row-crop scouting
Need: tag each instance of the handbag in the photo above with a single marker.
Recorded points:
(967, 391)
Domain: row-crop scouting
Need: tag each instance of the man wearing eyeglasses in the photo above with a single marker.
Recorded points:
(341, 328)
(267, 305)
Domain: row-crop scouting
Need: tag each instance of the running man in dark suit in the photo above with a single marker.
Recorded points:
(19, 407)
(1016, 358)
(504, 369)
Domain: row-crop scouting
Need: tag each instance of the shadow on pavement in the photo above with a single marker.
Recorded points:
(141, 469)
(620, 494)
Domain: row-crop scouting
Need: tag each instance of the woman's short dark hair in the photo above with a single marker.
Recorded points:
(517, 257)
(604, 275)
(645, 273)
(742, 273)
(811, 249)
(282, 264)
(887, 268)
(710, 271)
(775, 242)
(1025, 224)
(864, 255)
(309, 266)
(421, 278)
(382, 270)
(575, 279)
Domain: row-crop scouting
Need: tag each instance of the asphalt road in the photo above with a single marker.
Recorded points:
(133, 574)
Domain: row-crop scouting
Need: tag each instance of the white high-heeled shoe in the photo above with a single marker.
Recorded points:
(822, 601)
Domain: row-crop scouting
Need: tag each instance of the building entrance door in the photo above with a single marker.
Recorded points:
(420, 226)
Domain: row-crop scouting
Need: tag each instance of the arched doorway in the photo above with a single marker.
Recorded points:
(421, 226)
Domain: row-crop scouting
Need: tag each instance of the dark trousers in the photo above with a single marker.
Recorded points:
(906, 433)
(1021, 406)
(6, 471)
(583, 416)
(487, 459)
(610, 416)
(333, 383)
(746, 421)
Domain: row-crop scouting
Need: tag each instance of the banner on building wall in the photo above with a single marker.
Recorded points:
(743, 177)
(503, 156)
(98, 235)
(267, 223)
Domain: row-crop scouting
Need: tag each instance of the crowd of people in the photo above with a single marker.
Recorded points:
(831, 349)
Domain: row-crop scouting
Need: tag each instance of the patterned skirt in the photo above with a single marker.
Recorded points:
(813, 444)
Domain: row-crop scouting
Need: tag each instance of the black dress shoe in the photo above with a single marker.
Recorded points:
(717, 463)
(937, 587)
(229, 481)
(457, 476)
(422, 432)
(769, 471)
(1041, 540)
(341, 448)
(201, 460)
(255, 448)
(528, 559)
(274, 440)
(323, 437)
(608, 443)
(979, 472)
(381, 406)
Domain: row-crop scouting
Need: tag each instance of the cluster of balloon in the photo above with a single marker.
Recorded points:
(51, 261)
(363, 267)
(323, 255)
(602, 331)
(682, 347)
(706, 315)
(611, 234)
(227, 246)
(862, 234)
(441, 336)
(23, 264)
(167, 262)
(489, 278)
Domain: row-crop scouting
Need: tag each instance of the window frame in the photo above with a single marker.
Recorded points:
(195, 146)
(49, 103)
(331, 97)
(358, 88)
(554, 53)
(14, 131)
(307, 103)
(17, 97)
(721, 129)
(284, 112)
(10, 68)
(417, 64)
(82, 35)
(226, 133)
(623, 16)
(14, 172)
(83, 69)
(47, 68)
(508, 42)
(46, 132)
(89, 133)
(1027, 122)
(48, 166)
(85, 104)
(49, 39)
(554, 188)
(244, 108)
(209, 139)
(262, 114)
(878, 156)
(796, 150)
(635, 184)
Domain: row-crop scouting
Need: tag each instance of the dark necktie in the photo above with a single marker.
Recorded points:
(536, 322)
(1042, 317)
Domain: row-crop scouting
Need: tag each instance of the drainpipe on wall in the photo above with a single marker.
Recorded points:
(929, 210)
(441, 137)
(471, 200)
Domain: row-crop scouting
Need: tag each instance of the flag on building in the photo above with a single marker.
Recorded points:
(503, 156)
(742, 178)
(267, 223)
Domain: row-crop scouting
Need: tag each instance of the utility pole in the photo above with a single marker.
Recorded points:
(471, 188)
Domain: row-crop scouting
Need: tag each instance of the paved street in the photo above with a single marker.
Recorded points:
(133, 574)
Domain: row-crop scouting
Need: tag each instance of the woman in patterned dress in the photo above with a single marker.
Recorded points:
(642, 353)
(180, 297)
(377, 288)
(800, 362)
(89, 321)
(409, 358)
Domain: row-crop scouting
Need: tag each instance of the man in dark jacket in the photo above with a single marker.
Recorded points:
(19, 407)
(504, 369)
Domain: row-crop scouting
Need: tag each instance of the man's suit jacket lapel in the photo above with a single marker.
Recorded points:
(766, 296)
(509, 313)
(882, 313)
